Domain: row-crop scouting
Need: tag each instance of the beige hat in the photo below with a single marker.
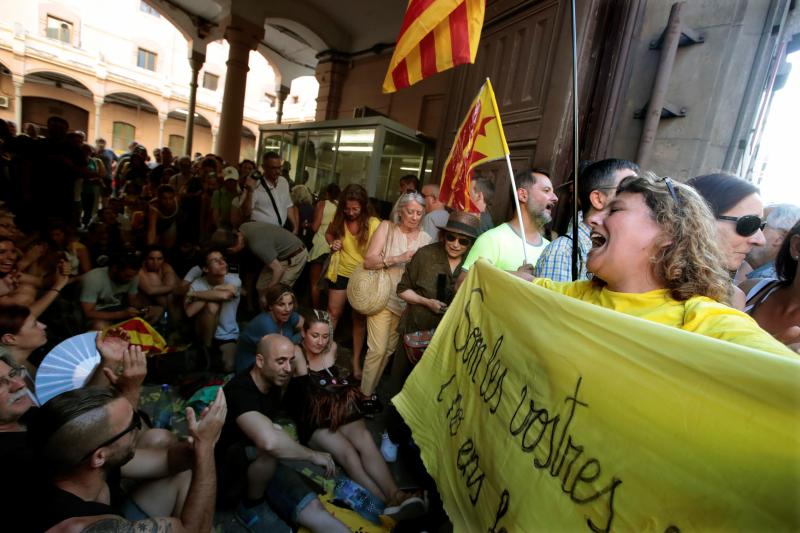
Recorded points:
(230, 173)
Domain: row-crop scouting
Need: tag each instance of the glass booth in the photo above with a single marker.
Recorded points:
(374, 152)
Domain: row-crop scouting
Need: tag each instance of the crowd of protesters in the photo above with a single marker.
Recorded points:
(251, 270)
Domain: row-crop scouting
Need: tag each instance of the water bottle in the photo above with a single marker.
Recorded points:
(163, 324)
(162, 417)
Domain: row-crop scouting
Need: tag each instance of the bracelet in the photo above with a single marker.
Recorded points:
(54, 289)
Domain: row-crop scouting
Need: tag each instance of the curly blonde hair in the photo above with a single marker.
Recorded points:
(692, 263)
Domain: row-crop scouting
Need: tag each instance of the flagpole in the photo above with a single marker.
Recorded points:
(575, 150)
(516, 205)
(510, 171)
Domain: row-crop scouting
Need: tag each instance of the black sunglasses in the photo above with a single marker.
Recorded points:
(671, 188)
(746, 225)
(136, 423)
(463, 241)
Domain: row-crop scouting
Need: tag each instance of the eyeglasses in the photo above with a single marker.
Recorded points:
(463, 241)
(671, 188)
(746, 225)
(136, 423)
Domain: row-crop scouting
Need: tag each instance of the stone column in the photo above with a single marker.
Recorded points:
(196, 60)
(98, 105)
(242, 37)
(331, 73)
(214, 134)
(283, 92)
(162, 121)
(18, 81)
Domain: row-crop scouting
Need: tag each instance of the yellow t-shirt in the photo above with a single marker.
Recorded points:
(351, 254)
(698, 314)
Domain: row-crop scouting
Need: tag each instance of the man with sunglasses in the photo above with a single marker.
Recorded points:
(597, 186)
(779, 220)
(87, 439)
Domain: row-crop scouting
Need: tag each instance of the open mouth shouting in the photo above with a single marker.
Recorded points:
(598, 240)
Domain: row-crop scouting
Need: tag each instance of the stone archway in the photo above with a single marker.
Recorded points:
(49, 94)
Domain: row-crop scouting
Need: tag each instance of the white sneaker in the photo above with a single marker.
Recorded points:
(388, 448)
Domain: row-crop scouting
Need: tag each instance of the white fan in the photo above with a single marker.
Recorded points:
(67, 367)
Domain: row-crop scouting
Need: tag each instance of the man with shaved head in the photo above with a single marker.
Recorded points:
(252, 446)
(87, 440)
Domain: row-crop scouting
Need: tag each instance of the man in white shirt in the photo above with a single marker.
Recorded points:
(267, 198)
(212, 302)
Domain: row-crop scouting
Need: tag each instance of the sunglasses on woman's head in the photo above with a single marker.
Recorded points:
(463, 241)
(746, 225)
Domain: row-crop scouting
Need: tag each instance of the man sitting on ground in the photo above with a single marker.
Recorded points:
(110, 294)
(252, 446)
(158, 281)
(87, 438)
(212, 302)
(597, 186)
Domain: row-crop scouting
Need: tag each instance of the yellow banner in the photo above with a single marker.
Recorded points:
(538, 412)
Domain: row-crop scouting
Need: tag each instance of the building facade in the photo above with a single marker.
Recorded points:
(121, 71)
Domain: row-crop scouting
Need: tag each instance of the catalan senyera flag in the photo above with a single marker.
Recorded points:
(479, 139)
(436, 35)
(142, 334)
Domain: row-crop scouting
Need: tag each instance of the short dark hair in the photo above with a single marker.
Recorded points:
(62, 439)
(332, 192)
(273, 294)
(785, 264)
(208, 250)
(270, 155)
(152, 248)
(12, 317)
(722, 191)
(122, 261)
(485, 185)
(410, 178)
(599, 175)
(524, 179)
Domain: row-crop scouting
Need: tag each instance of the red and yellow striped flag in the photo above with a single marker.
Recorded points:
(436, 35)
(479, 139)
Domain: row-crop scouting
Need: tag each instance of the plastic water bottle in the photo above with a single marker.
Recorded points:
(163, 324)
(162, 417)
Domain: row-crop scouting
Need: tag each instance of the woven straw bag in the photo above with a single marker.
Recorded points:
(368, 290)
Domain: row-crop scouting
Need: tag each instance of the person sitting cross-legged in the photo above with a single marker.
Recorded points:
(110, 294)
(211, 302)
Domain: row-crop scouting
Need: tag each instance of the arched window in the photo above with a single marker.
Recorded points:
(124, 134)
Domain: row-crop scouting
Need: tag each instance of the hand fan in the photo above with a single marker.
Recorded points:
(67, 367)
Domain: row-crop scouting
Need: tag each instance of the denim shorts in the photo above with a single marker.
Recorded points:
(288, 494)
